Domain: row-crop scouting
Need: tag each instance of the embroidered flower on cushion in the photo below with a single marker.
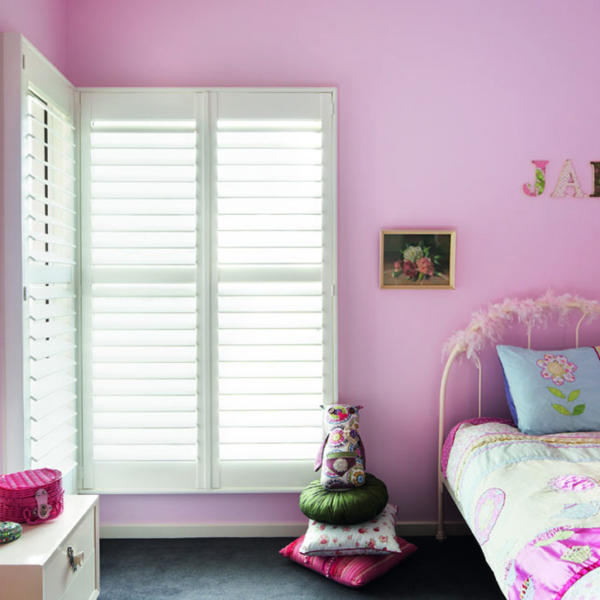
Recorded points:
(353, 425)
(557, 368)
(336, 437)
(357, 477)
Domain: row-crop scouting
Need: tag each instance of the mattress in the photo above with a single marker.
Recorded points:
(532, 503)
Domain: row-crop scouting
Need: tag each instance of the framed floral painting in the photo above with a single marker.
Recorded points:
(417, 259)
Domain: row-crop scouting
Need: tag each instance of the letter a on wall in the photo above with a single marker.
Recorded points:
(537, 189)
(567, 183)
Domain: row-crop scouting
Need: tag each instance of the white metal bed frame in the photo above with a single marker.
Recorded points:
(507, 311)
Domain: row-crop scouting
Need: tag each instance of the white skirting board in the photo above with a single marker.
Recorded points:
(197, 530)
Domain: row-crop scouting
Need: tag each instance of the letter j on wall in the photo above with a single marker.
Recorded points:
(537, 188)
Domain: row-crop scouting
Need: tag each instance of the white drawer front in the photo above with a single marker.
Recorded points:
(59, 577)
(83, 586)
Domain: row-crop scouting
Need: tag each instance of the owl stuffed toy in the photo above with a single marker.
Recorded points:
(342, 454)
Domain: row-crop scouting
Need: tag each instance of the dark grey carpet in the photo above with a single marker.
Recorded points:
(251, 569)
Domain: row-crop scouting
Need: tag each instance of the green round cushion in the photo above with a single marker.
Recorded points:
(347, 507)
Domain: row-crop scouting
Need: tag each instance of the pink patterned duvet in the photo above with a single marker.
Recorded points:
(533, 503)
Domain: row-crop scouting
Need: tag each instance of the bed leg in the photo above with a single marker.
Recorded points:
(440, 534)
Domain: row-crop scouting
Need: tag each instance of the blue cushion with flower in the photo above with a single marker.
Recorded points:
(551, 391)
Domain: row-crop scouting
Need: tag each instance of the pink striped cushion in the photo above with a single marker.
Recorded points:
(352, 571)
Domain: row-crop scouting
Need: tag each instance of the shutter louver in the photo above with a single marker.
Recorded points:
(143, 291)
(270, 290)
(50, 208)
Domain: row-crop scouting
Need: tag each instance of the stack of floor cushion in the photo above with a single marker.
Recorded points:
(351, 536)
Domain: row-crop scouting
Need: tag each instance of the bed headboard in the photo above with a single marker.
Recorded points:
(487, 327)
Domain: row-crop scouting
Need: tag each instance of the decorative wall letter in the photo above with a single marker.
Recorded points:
(596, 167)
(540, 179)
(567, 180)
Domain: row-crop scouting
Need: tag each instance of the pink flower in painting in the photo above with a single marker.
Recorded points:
(398, 265)
(557, 368)
(410, 269)
(425, 266)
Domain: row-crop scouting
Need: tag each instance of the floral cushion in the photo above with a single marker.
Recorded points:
(353, 571)
(552, 391)
(376, 536)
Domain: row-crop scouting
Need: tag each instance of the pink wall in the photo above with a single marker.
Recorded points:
(42, 22)
(442, 106)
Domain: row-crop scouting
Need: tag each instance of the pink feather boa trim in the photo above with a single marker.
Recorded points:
(487, 326)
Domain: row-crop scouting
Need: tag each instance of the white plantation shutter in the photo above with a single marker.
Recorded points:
(142, 292)
(49, 274)
(208, 228)
(274, 283)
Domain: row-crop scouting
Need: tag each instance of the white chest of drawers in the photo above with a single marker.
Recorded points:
(37, 566)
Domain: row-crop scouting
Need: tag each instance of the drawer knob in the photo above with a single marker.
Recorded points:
(75, 560)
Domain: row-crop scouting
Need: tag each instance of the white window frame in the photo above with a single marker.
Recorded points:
(23, 68)
(209, 478)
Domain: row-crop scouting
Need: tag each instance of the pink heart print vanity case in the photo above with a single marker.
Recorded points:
(31, 497)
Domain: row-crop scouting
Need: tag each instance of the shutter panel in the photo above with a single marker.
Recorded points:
(143, 337)
(177, 288)
(273, 324)
(50, 208)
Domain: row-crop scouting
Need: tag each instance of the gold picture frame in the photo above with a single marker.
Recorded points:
(417, 259)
